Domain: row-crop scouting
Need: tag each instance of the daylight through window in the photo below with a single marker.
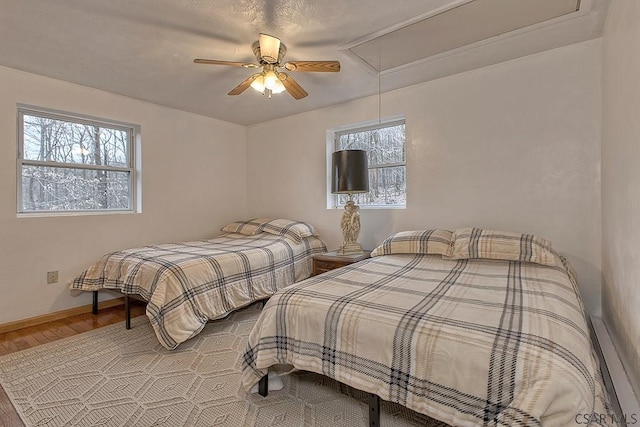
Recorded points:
(385, 146)
(70, 164)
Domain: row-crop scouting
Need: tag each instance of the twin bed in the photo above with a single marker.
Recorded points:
(189, 283)
(472, 327)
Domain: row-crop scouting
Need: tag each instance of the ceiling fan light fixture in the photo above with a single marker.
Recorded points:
(271, 80)
(279, 88)
(258, 83)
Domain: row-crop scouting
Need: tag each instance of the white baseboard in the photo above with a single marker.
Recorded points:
(624, 401)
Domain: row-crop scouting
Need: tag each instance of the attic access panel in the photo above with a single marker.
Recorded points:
(468, 23)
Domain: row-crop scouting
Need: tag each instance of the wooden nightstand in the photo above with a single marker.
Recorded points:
(332, 260)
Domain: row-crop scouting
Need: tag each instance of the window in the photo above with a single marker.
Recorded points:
(385, 146)
(69, 163)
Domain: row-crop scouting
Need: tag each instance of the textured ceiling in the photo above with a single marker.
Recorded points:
(145, 48)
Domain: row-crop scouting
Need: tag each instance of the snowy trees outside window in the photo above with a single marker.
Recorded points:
(385, 146)
(71, 164)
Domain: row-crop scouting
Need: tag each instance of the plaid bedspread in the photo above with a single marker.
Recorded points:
(187, 284)
(468, 342)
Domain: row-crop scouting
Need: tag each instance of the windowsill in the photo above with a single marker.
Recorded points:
(370, 207)
(80, 213)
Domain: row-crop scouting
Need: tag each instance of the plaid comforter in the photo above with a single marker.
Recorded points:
(468, 342)
(187, 284)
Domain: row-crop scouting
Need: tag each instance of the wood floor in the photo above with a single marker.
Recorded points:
(41, 334)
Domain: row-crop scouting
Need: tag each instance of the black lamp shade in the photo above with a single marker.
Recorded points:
(349, 172)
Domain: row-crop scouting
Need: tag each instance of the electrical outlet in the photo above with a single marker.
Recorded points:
(52, 277)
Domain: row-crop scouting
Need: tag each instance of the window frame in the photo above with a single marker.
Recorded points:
(133, 146)
(333, 136)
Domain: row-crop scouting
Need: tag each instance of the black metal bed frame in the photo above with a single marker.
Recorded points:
(374, 401)
(127, 308)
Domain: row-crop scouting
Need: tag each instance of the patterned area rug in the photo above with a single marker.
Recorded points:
(114, 377)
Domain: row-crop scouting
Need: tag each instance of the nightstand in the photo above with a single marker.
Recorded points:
(331, 260)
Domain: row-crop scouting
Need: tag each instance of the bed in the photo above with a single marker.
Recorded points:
(471, 327)
(187, 284)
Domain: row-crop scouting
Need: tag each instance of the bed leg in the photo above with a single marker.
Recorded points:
(127, 311)
(263, 386)
(94, 308)
(374, 411)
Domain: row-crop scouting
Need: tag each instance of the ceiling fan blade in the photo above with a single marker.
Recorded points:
(231, 63)
(322, 66)
(292, 86)
(244, 85)
(269, 48)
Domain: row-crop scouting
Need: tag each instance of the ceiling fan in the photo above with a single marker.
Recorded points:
(269, 52)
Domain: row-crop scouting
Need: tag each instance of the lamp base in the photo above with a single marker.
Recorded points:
(352, 248)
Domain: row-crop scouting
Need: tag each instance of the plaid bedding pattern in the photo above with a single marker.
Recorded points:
(481, 243)
(432, 242)
(187, 284)
(249, 227)
(469, 342)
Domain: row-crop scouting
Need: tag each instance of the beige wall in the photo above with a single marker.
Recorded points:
(621, 182)
(193, 182)
(514, 146)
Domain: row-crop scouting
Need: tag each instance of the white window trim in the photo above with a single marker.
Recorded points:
(331, 138)
(134, 147)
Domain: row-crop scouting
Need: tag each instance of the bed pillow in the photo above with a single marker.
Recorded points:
(503, 245)
(293, 230)
(435, 242)
(250, 227)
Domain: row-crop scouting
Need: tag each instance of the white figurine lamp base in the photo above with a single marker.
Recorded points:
(350, 229)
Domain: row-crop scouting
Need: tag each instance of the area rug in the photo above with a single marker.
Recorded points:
(117, 377)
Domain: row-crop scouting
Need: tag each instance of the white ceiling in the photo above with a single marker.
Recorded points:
(145, 48)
